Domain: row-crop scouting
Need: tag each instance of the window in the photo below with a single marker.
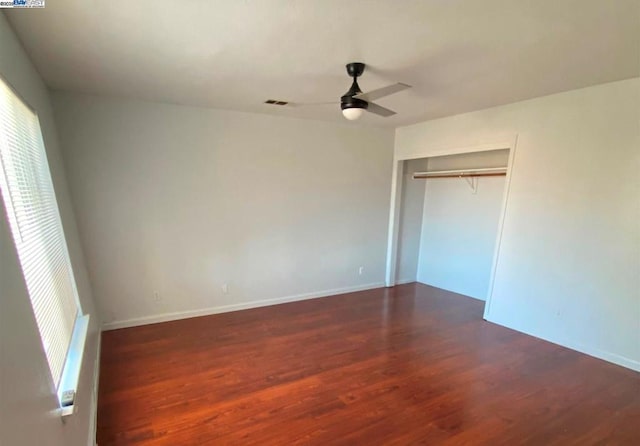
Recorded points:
(32, 212)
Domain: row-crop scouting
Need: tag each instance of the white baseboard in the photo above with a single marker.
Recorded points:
(405, 281)
(577, 346)
(93, 410)
(600, 354)
(452, 291)
(234, 307)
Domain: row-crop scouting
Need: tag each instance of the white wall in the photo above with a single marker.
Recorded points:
(459, 227)
(570, 252)
(27, 397)
(183, 200)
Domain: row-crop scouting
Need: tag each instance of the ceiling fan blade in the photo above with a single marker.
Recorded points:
(307, 104)
(379, 110)
(382, 92)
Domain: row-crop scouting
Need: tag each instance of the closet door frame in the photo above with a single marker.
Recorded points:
(396, 201)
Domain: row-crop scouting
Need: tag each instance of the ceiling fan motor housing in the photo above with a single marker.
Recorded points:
(350, 102)
(354, 70)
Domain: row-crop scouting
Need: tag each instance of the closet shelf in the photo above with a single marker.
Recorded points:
(462, 173)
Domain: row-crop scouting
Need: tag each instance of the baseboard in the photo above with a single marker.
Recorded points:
(234, 307)
(93, 414)
(577, 346)
(452, 291)
(405, 281)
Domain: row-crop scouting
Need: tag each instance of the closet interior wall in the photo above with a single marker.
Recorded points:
(410, 222)
(448, 231)
(460, 225)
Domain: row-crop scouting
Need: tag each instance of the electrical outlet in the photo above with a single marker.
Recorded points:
(360, 270)
(156, 296)
(225, 288)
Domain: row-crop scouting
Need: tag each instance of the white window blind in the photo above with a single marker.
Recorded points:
(33, 215)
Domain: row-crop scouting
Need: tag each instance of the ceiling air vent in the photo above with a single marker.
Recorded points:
(274, 102)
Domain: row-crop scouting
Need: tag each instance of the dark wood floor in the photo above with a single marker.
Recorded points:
(407, 365)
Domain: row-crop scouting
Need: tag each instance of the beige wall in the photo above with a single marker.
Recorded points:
(182, 200)
(570, 250)
(27, 397)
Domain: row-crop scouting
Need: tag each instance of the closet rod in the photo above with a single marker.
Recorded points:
(423, 175)
(461, 173)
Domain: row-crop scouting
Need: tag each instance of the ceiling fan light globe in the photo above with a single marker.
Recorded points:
(352, 113)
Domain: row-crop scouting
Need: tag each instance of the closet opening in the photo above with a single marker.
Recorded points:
(448, 217)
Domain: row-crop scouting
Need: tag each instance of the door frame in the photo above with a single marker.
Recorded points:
(396, 202)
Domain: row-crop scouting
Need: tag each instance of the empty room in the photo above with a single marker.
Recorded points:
(319, 222)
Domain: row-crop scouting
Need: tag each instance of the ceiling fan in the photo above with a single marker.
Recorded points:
(354, 102)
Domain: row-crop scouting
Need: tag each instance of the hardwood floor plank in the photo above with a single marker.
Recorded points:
(406, 365)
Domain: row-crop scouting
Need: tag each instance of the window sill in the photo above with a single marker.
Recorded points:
(71, 372)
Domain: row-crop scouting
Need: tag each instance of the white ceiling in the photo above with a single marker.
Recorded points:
(458, 55)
